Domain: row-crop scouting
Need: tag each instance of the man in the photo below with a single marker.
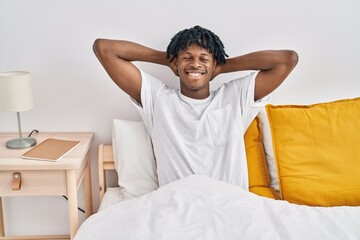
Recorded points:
(195, 130)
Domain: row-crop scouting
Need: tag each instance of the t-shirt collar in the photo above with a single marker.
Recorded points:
(193, 100)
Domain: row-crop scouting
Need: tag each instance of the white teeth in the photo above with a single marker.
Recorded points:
(194, 74)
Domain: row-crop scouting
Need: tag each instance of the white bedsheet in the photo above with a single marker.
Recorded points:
(112, 196)
(198, 207)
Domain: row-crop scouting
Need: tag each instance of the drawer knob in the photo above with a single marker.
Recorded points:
(16, 183)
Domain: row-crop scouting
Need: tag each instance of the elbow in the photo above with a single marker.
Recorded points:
(99, 46)
(292, 58)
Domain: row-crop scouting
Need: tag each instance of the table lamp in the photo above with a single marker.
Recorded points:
(16, 96)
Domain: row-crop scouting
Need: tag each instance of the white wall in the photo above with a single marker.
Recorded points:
(53, 40)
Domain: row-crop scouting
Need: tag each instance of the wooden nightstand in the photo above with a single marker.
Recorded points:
(44, 178)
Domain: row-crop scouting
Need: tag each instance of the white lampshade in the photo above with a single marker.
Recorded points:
(15, 91)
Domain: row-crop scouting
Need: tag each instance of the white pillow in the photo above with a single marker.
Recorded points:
(268, 148)
(134, 158)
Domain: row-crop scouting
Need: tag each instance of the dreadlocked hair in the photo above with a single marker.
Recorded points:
(198, 35)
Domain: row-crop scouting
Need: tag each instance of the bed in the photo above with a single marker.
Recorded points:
(199, 207)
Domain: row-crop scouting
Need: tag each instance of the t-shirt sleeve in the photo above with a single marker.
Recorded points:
(150, 87)
(245, 86)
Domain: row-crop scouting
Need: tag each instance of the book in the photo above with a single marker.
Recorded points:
(51, 149)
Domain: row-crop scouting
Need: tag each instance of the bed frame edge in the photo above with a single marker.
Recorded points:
(105, 162)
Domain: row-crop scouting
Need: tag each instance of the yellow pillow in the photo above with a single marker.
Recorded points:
(259, 178)
(317, 150)
(265, 192)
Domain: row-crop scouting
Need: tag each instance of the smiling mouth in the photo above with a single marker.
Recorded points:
(195, 74)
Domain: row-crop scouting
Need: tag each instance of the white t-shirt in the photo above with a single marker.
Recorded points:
(206, 136)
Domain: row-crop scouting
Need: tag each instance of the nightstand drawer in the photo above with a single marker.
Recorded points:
(40, 183)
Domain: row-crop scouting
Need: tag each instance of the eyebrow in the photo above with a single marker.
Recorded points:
(203, 54)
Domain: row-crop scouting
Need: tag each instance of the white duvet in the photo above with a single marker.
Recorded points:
(198, 207)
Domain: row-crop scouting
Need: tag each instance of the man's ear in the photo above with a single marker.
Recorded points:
(215, 65)
(215, 70)
(174, 66)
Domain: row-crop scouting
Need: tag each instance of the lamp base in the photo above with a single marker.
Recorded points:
(21, 143)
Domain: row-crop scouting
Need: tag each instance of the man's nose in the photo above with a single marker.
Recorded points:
(195, 62)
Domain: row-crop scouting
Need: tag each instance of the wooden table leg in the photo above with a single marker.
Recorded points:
(2, 228)
(87, 188)
(73, 202)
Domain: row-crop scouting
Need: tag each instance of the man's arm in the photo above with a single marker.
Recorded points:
(116, 57)
(274, 67)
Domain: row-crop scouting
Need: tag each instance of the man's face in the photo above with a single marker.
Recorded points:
(195, 67)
